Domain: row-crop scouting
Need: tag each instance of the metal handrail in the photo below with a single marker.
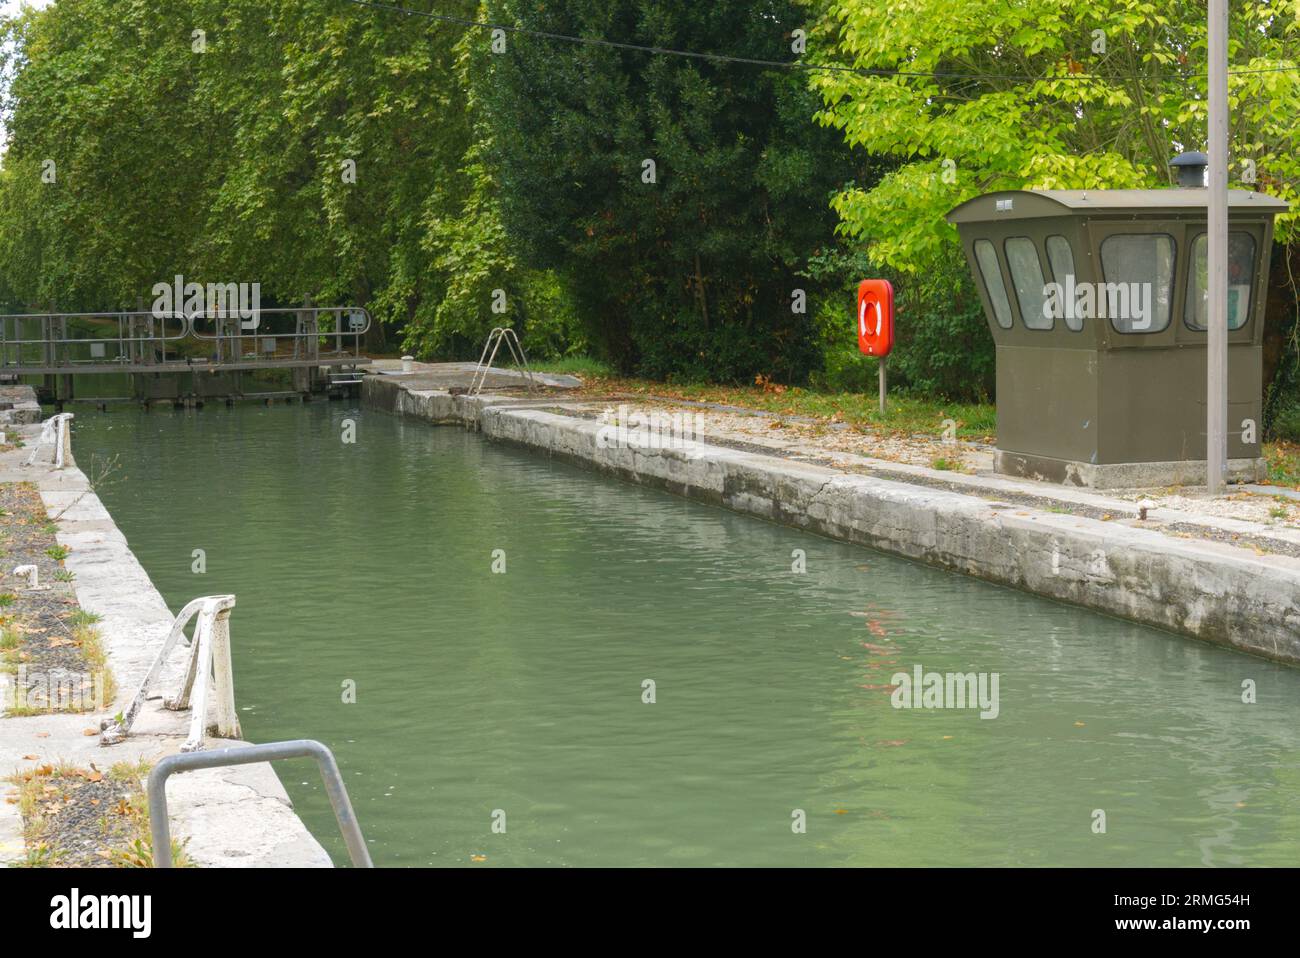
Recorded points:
(160, 828)
(53, 431)
(119, 315)
(208, 667)
(316, 311)
(54, 347)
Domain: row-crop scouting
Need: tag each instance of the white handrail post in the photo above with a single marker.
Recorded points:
(227, 719)
(202, 679)
(207, 668)
(55, 433)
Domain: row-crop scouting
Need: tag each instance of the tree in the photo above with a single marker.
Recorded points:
(1044, 94)
(980, 95)
(677, 199)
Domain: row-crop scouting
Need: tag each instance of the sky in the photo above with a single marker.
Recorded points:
(11, 6)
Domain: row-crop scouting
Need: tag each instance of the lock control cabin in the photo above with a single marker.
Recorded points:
(1097, 302)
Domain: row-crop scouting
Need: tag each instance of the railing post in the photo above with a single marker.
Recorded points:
(208, 669)
(227, 719)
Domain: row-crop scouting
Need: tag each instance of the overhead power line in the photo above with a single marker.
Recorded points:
(797, 65)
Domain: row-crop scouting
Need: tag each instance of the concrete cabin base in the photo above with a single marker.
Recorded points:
(1120, 475)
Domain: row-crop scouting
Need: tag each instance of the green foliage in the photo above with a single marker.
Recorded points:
(1049, 112)
(691, 276)
(230, 164)
(1045, 102)
(943, 347)
(522, 171)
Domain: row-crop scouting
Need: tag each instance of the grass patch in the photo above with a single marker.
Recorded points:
(87, 817)
(905, 414)
(583, 366)
(92, 647)
(1283, 459)
(57, 553)
(88, 639)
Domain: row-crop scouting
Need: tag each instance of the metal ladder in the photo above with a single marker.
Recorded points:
(494, 340)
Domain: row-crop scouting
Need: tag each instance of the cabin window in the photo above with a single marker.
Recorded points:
(1027, 277)
(987, 258)
(1137, 288)
(1241, 274)
(1061, 259)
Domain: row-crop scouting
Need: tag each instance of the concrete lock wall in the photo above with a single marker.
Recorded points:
(1198, 588)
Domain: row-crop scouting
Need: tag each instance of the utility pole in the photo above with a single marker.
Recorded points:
(1216, 391)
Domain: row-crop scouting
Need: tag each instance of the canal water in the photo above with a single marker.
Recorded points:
(518, 698)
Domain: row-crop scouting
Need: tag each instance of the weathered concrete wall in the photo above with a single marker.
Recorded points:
(1199, 588)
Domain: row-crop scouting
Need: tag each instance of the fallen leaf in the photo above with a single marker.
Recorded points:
(478, 858)
(893, 742)
(90, 731)
(30, 758)
(1079, 724)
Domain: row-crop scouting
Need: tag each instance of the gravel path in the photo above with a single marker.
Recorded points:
(41, 641)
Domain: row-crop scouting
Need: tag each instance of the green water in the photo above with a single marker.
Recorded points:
(522, 692)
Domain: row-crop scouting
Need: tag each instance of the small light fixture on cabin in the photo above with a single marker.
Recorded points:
(1192, 169)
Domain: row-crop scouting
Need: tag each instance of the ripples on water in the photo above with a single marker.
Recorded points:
(522, 692)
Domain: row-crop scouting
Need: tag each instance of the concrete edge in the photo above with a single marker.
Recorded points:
(1206, 590)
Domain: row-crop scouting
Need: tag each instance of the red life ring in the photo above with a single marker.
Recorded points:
(875, 317)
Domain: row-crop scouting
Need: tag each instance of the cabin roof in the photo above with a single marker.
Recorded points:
(1035, 203)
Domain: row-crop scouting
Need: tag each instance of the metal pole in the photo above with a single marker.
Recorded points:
(1216, 385)
(881, 366)
(245, 755)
